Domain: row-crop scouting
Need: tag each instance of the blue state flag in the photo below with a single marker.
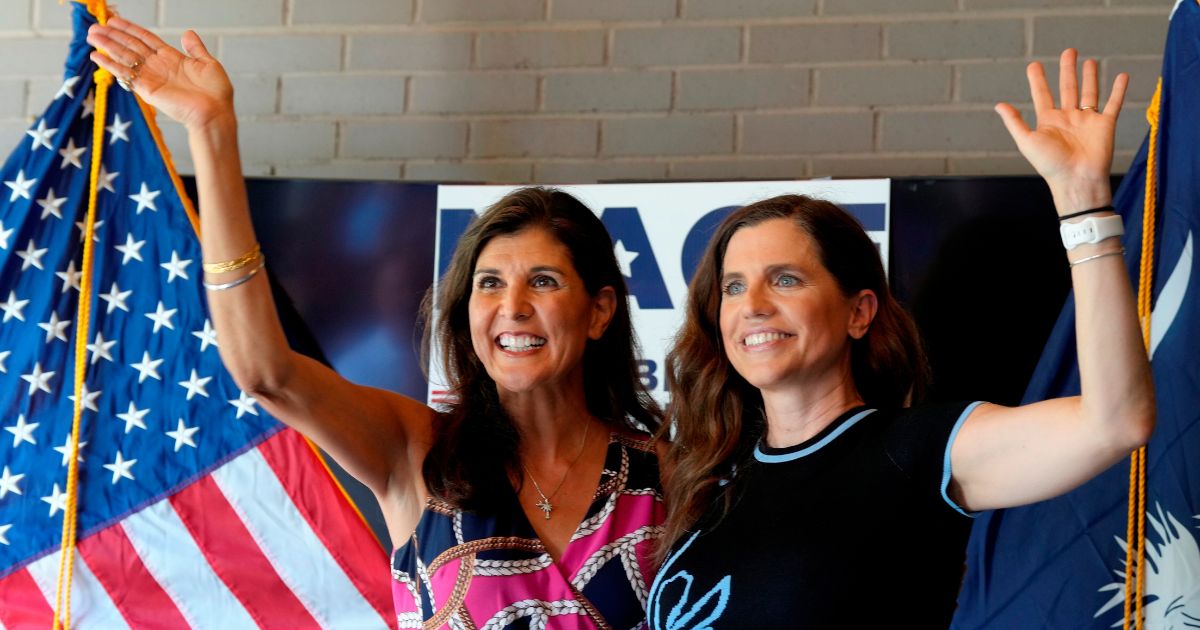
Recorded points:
(1061, 563)
(194, 507)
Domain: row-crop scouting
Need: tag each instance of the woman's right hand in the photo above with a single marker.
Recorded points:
(190, 88)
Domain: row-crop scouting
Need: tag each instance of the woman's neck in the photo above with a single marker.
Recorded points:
(801, 411)
(549, 421)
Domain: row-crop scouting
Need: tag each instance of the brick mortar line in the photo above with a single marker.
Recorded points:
(670, 23)
(938, 108)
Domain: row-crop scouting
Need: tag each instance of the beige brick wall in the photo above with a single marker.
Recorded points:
(571, 91)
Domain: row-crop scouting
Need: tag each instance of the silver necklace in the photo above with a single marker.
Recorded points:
(545, 505)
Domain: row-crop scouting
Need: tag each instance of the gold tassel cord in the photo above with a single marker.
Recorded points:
(1135, 529)
(66, 564)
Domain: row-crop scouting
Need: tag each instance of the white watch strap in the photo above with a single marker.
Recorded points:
(1091, 230)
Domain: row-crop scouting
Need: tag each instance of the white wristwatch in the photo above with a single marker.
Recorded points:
(1091, 230)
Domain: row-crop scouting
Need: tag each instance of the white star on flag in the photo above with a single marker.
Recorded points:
(207, 336)
(4, 533)
(89, 105)
(176, 268)
(116, 298)
(9, 481)
(57, 501)
(65, 451)
(134, 417)
(71, 154)
(38, 380)
(162, 317)
(32, 256)
(95, 230)
(55, 328)
(145, 199)
(22, 431)
(244, 404)
(147, 367)
(89, 399)
(131, 250)
(51, 205)
(196, 385)
(5, 234)
(121, 468)
(20, 186)
(183, 435)
(41, 136)
(101, 349)
(13, 307)
(4, 357)
(67, 88)
(106, 179)
(117, 130)
(70, 277)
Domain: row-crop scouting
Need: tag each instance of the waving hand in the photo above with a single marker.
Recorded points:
(1072, 144)
(191, 87)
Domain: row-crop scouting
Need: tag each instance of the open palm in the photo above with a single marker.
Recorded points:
(1072, 142)
(190, 88)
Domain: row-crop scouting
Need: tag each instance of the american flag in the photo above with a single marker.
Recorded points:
(194, 507)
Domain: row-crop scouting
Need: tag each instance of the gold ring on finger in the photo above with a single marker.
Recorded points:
(1087, 108)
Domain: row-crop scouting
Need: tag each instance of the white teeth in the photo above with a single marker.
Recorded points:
(757, 339)
(520, 343)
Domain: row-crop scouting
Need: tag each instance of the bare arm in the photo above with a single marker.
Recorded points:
(1005, 457)
(377, 436)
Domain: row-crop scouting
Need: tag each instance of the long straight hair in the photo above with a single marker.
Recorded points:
(716, 414)
(475, 442)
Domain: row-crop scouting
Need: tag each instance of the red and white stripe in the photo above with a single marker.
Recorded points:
(266, 540)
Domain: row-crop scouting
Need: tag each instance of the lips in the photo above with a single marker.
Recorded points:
(519, 342)
(754, 340)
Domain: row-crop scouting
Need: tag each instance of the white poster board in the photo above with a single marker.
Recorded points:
(659, 231)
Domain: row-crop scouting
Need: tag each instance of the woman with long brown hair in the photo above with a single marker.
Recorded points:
(536, 494)
(803, 489)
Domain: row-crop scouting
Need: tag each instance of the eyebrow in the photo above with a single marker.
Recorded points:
(771, 269)
(538, 269)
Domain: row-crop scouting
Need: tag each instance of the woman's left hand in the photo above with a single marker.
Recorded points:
(1072, 146)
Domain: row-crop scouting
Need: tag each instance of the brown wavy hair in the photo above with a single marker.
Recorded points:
(475, 442)
(717, 416)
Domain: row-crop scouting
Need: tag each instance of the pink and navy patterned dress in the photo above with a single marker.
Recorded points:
(471, 570)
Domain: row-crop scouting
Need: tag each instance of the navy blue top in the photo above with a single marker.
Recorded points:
(851, 528)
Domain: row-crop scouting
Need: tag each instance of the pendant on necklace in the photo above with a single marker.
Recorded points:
(544, 505)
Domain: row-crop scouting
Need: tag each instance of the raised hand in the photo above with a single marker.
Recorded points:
(191, 88)
(1072, 146)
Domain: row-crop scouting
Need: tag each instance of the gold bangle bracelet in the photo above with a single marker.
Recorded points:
(238, 282)
(234, 264)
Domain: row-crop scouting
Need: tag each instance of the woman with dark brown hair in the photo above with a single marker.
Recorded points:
(536, 494)
(803, 489)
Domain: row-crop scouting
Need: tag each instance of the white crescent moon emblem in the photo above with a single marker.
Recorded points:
(1171, 297)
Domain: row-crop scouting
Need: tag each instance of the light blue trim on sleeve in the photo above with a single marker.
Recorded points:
(787, 457)
(946, 460)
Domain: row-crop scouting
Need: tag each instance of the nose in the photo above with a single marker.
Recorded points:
(515, 303)
(756, 303)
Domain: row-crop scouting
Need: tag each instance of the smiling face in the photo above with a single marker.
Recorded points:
(784, 319)
(530, 313)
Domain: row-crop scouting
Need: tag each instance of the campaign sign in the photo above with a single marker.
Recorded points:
(659, 233)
